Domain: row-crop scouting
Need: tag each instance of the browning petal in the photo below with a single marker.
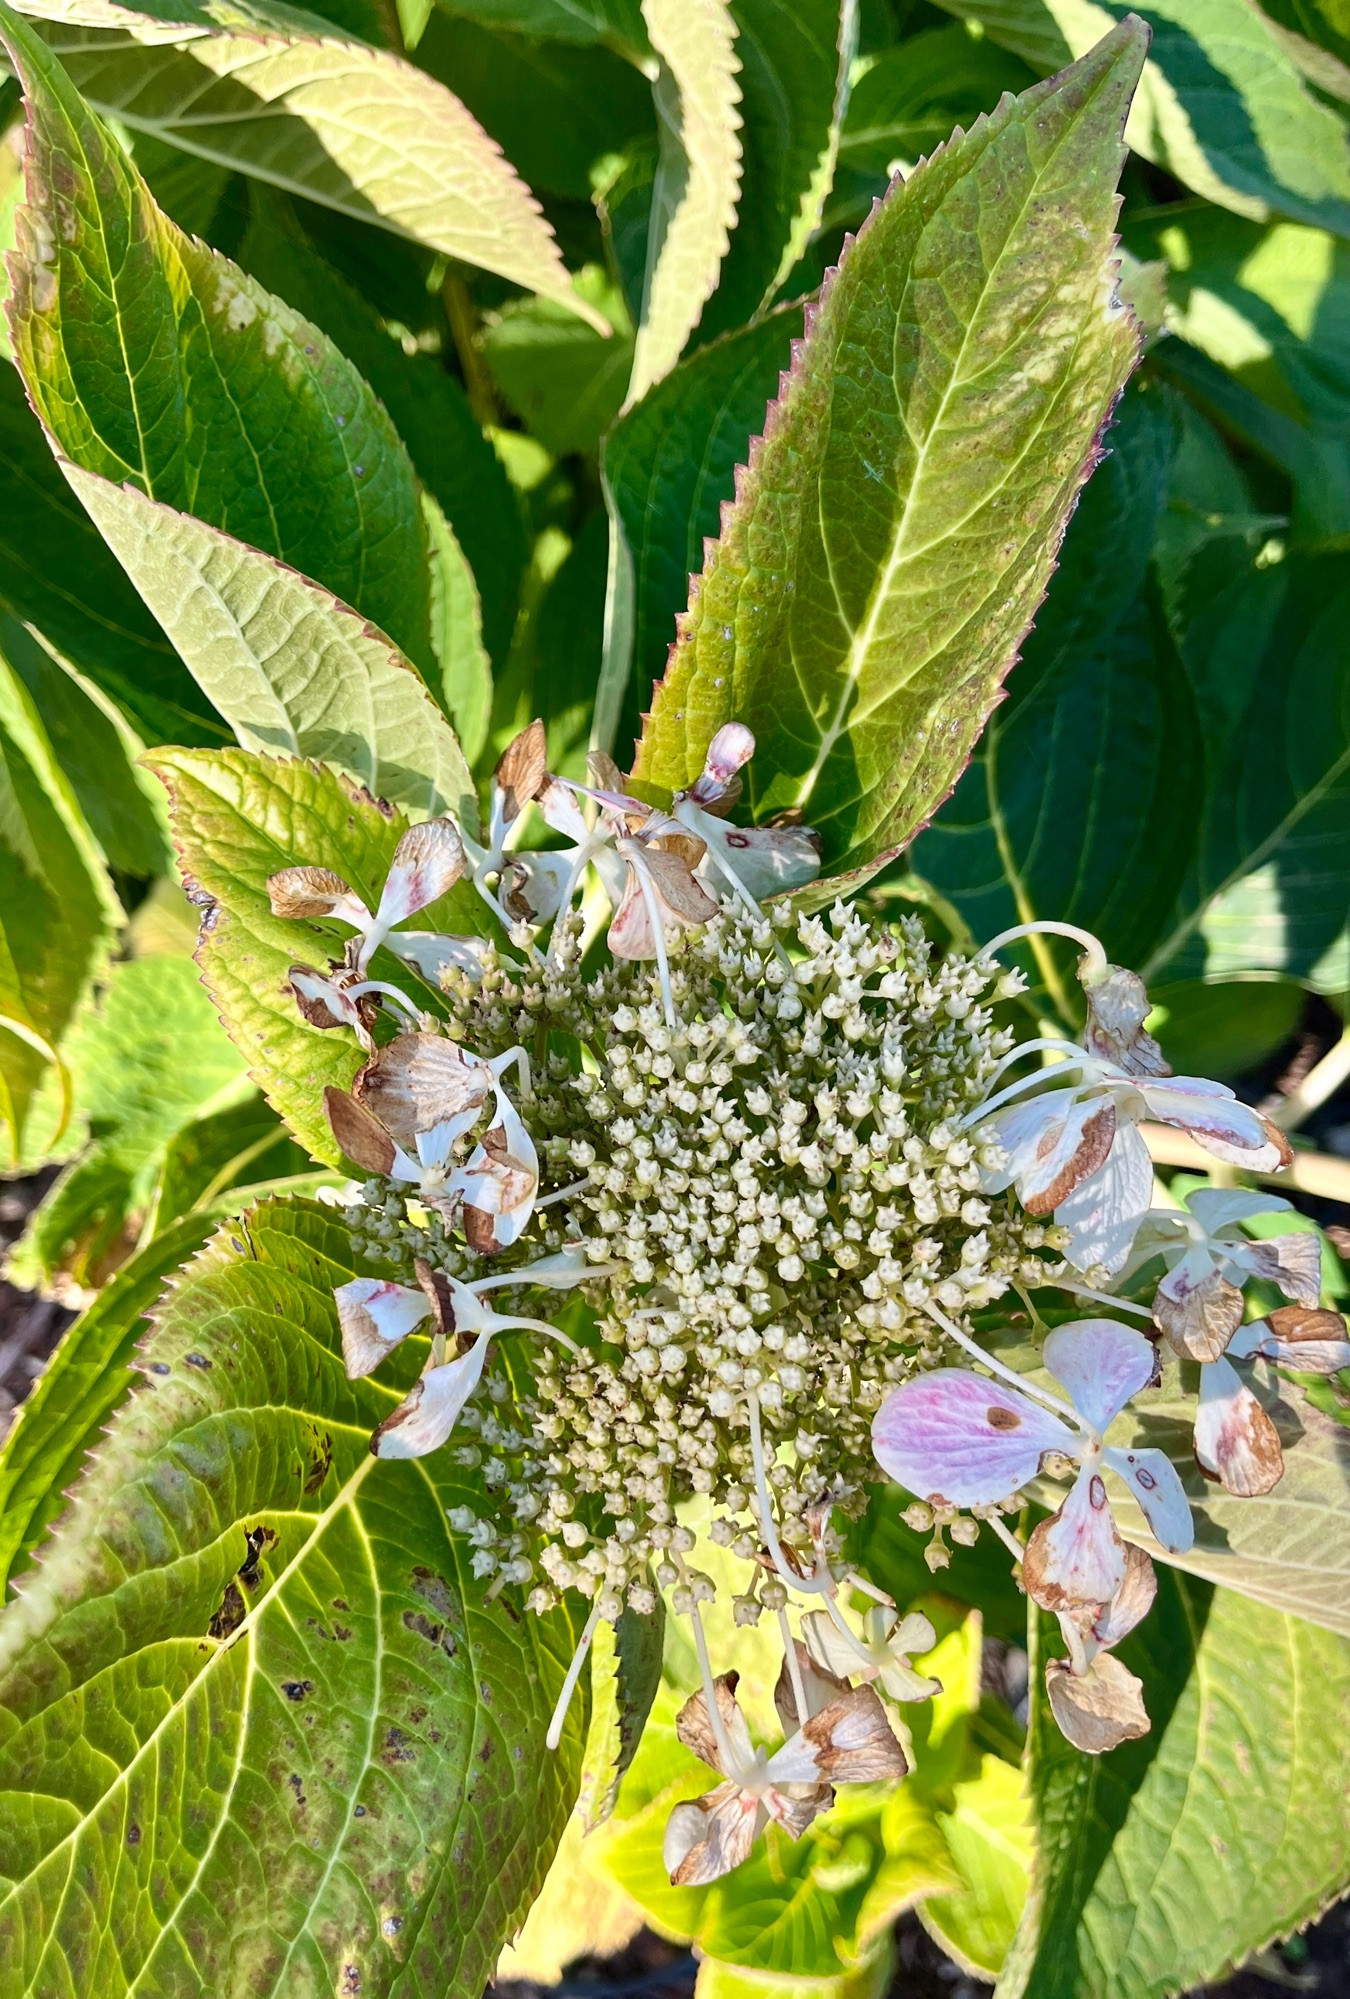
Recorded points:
(1089, 1155)
(521, 771)
(694, 1727)
(1198, 1320)
(360, 1138)
(853, 1741)
(307, 892)
(1099, 1709)
(419, 1081)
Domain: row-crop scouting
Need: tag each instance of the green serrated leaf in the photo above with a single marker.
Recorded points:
(1221, 104)
(429, 409)
(625, 1676)
(670, 464)
(796, 57)
(698, 180)
(238, 818)
(273, 91)
(457, 634)
(1162, 1864)
(870, 588)
(322, 1757)
(1083, 800)
(153, 360)
(57, 575)
(62, 1419)
(292, 670)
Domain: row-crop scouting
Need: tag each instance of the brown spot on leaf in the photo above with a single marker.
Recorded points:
(435, 1634)
(230, 1614)
(258, 1541)
(297, 1690)
(198, 1360)
(320, 1460)
(133, 1835)
(396, 1748)
(294, 1781)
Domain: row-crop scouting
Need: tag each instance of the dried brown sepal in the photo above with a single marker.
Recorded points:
(1197, 1320)
(1099, 1709)
(417, 1081)
(853, 1741)
(361, 1139)
(1117, 1007)
(522, 770)
(1091, 1153)
(306, 893)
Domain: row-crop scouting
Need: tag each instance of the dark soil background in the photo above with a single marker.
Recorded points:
(1315, 1964)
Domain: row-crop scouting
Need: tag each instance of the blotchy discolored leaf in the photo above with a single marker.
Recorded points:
(266, 88)
(152, 359)
(237, 818)
(899, 521)
(698, 180)
(253, 1667)
(290, 668)
(1165, 1862)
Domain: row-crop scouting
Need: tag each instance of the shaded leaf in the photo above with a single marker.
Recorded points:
(625, 1677)
(617, 22)
(61, 1420)
(276, 92)
(1267, 889)
(1164, 1863)
(1083, 800)
(217, 1153)
(1224, 1028)
(429, 408)
(554, 109)
(921, 477)
(144, 1062)
(1221, 105)
(565, 382)
(152, 359)
(908, 102)
(457, 635)
(698, 180)
(310, 1663)
(669, 467)
(795, 58)
(57, 910)
(288, 666)
(238, 818)
(95, 751)
(56, 573)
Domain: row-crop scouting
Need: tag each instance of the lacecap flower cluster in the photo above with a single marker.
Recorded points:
(753, 1171)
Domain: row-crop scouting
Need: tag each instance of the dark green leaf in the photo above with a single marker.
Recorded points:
(94, 751)
(891, 1555)
(62, 1420)
(670, 466)
(253, 1665)
(216, 1152)
(1164, 1863)
(1268, 889)
(911, 98)
(898, 525)
(155, 361)
(795, 57)
(625, 1677)
(563, 380)
(429, 409)
(1083, 800)
(238, 818)
(57, 573)
(617, 22)
(553, 109)
(1225, 1030)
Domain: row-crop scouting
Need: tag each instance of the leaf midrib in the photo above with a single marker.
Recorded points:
(862, 638)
